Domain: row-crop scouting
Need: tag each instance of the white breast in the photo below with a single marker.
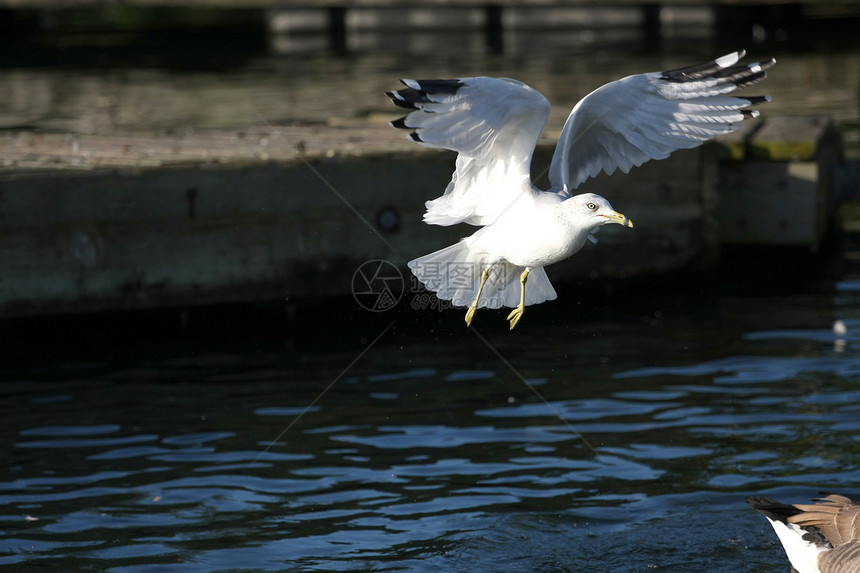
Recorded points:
(532, 237)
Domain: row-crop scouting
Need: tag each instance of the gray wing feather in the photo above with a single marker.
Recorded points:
(648, 116)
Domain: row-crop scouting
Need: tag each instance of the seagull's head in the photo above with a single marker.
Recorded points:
(595, 211)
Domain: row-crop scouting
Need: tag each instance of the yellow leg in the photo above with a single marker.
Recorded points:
(517, 313)
(470, 314)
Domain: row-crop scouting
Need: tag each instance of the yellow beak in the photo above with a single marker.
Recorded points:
(621, 219)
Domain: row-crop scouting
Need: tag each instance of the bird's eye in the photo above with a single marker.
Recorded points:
(591, 206)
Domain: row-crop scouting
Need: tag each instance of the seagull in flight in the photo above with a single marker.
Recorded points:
(494, 124)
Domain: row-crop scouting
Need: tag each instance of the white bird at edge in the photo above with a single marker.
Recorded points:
(494, 125)
(823, 537)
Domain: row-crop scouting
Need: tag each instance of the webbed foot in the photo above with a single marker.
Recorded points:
(516, 315)
(470, 314)
(518, 312)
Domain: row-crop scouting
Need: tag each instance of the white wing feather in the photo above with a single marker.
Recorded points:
(493, 124)
(647, 116)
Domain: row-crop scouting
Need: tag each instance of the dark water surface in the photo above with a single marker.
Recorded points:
(412, 443)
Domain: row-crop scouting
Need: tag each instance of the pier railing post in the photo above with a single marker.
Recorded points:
(493, 28)
(651, 26)
(337, 28)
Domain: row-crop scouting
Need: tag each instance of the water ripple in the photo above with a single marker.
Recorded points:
(406, 437)
(747, 369)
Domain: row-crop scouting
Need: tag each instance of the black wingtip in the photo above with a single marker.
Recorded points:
(400, 123)
(772, 509)
(739, 74)
(398, 99)
(409, 97)
(418, 92)
(696, 71)
(448, 87)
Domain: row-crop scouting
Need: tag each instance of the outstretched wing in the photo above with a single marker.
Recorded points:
(493, 125)
(647, 116)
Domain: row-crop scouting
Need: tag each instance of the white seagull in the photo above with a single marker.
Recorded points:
(494, 124)
(823, 537)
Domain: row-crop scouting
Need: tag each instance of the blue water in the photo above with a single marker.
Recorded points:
(607, 433)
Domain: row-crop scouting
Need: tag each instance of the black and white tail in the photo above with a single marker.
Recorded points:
(802, 545)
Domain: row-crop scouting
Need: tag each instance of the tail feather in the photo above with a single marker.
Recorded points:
(454, 273)
(802, 545)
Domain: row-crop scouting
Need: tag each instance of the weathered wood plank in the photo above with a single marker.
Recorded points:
(23, 151)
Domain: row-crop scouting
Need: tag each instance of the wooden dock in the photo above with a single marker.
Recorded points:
(104, 222)
(115, 193)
